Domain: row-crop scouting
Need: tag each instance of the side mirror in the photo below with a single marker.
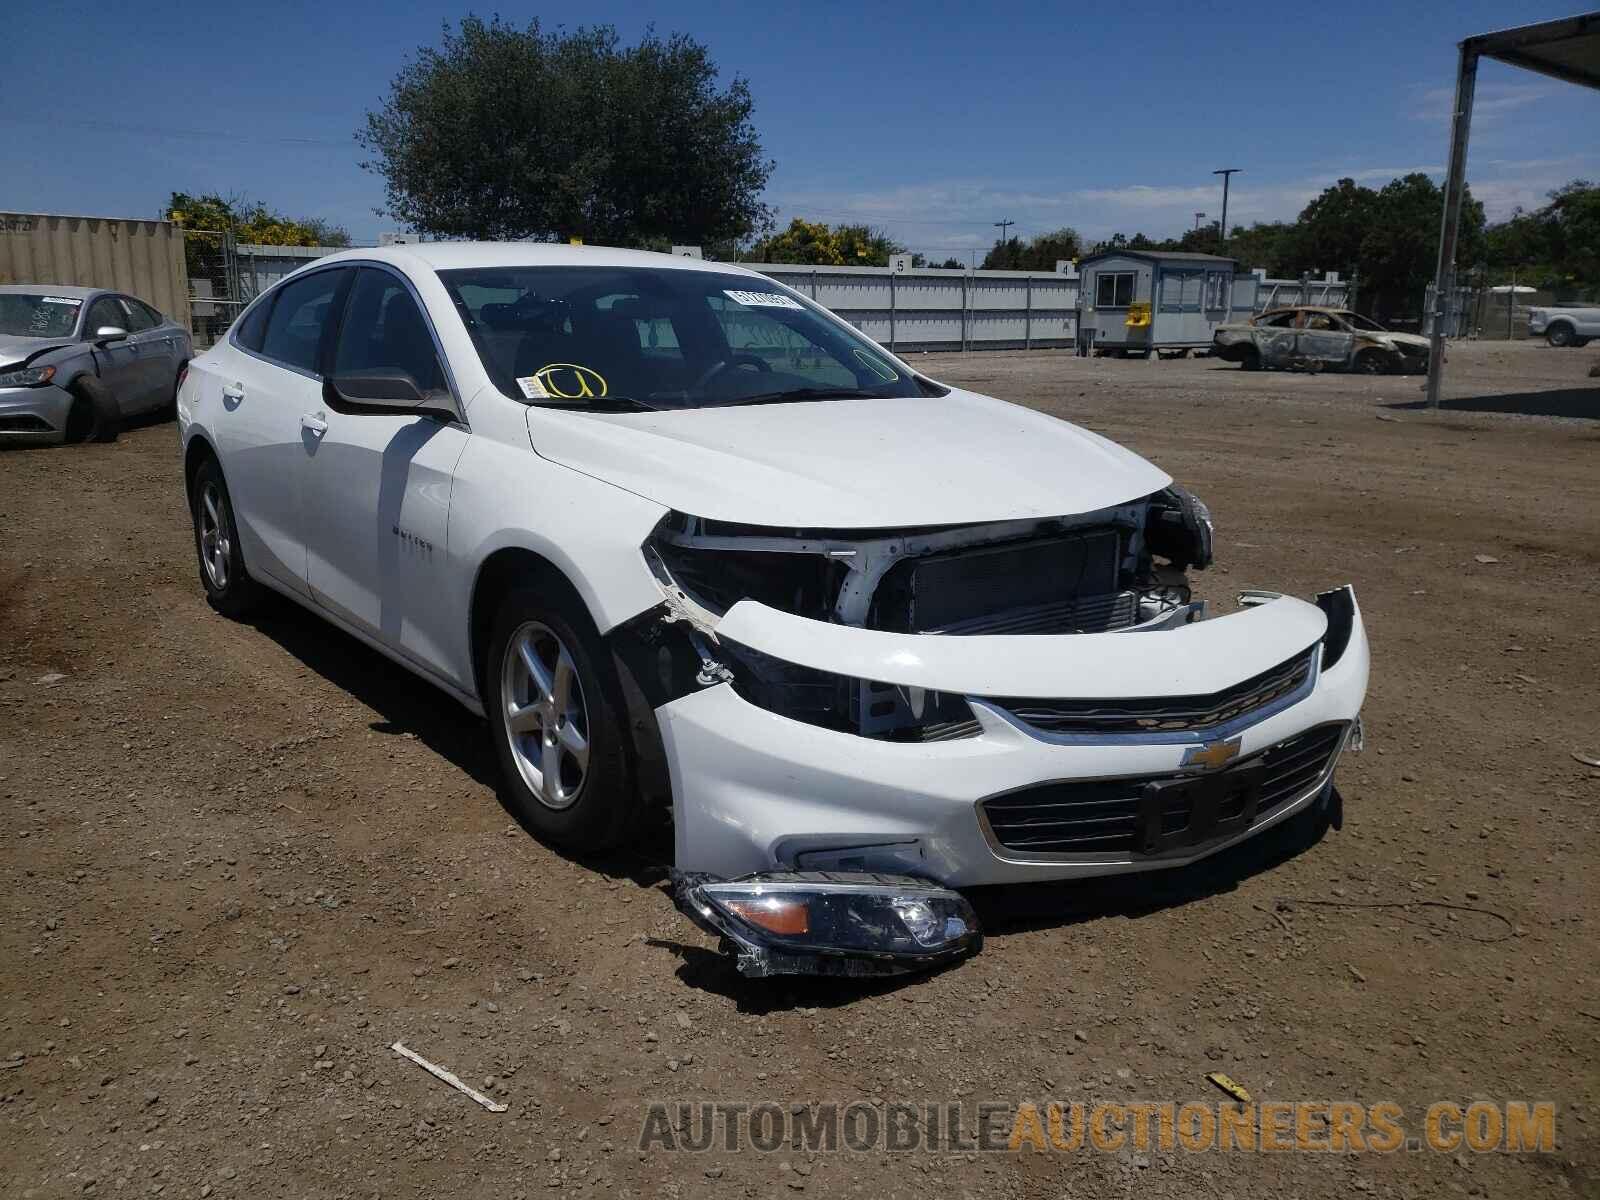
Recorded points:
(109, 333)
(393, 392)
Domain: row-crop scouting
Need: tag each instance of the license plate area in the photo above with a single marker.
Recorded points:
(1180, 813)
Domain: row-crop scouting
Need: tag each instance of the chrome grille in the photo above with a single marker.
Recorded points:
(1103, 815)
(1163, 714)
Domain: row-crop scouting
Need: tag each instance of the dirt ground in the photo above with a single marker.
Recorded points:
(238, 861)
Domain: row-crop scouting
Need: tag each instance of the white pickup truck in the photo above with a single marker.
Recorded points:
(1564, 326)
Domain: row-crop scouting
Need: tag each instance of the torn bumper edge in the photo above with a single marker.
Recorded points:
(754, 791)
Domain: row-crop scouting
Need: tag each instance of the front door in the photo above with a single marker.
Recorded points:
(118, 361)
(377, 491)
(1324, 340)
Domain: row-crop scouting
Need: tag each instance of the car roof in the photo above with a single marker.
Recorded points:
(446, 256)
(54, 289)
(1327, 308)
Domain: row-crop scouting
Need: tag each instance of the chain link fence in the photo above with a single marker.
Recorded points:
(215, 296)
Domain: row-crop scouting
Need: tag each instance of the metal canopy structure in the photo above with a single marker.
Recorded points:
(1568, 50)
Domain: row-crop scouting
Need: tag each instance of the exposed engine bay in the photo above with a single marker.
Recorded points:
(1118, 568)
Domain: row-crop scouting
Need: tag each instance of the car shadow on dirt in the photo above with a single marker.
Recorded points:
(408, 706)
(1580, 402)
(1004, 911)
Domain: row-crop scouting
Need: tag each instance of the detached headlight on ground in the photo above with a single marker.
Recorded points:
(832, 922)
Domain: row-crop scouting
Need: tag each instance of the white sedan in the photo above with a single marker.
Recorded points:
(685, 538)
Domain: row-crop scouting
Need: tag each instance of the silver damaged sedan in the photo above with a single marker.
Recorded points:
(76, 362)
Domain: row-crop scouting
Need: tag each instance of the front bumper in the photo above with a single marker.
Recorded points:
(34, 415)
(756, 791)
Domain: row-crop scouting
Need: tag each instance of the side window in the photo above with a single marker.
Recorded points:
(751, 333)
(1113, 289)
(254, 326)
(1284, 320)
(300, 319)
(138, 318)
(104, 311)
(383, 330)
(1321, 321)
(154, 315)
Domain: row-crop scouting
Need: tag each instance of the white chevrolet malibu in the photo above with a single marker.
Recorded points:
(685, 538)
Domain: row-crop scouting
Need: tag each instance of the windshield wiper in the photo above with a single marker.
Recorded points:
(600, 404)
(807, 393)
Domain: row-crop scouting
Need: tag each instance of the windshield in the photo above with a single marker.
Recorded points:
(38, 314)
(1357, 321)
(661, 338)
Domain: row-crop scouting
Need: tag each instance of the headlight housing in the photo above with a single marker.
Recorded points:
(860, 706)
(27, 377)
(832, 922)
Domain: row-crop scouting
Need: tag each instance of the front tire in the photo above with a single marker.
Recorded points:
(555, 712)
(229, 589)
(93, 415)
(1371, 362)
(1561, 334)
(1250, 360)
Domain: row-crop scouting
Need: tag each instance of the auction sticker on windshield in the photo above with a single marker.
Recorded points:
(72, 300)
(761, 299)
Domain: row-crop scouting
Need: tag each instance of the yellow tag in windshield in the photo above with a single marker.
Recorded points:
(569, 381)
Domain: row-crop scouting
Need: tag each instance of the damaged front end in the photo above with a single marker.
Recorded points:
(830, 922)
(851, 725)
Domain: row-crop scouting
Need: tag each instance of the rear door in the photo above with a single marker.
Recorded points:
(1275, 337)
(150, 357)
(377, 485)
(271, 385)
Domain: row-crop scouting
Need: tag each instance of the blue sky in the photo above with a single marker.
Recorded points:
(932, 120)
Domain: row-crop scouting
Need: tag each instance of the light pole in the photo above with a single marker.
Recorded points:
(1002, 226)
(1227, 174)
(1198, 217)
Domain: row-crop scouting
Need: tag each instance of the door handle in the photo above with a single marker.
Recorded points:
(233, 394)
(314, 423)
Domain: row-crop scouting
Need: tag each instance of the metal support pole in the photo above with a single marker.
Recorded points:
(892, 291)
(963, 314)
(1450, 226)
(813, 285)
(1027, 328)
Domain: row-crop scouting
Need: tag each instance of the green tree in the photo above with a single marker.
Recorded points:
(819, 245)
(251, 221)
(1399, 252)
(1572, 221)
(1332, 228)
(1037, 254)
(503, 132)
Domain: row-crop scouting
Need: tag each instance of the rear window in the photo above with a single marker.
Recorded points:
(300, 318)
(253, 326)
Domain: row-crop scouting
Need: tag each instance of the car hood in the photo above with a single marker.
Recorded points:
(851, 464)
(14, 348)
(1402, 339)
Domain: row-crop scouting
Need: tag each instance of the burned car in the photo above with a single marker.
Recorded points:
(688, 540)
(1315, 339)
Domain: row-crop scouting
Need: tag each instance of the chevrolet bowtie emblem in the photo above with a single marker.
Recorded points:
(1211, 755)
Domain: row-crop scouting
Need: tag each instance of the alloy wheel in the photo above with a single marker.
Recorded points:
(547, 721)
(215, 545)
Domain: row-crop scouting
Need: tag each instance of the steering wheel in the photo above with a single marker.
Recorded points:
(722, 364)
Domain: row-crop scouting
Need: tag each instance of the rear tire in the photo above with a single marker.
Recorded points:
(1561, 334)
(229, 588)
(557, 717)
(93, 416)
